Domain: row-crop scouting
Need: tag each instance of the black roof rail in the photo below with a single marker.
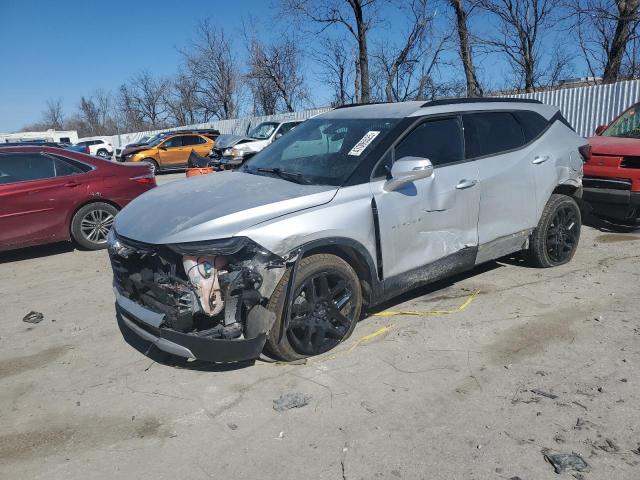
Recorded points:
(455, 101)
(349, 105)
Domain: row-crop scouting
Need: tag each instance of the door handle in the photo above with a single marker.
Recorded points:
(464, 183)
(71, 184)
(540, 159)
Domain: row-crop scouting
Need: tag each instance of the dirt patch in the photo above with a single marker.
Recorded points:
(534, 336)
(613, 238)
(84, 434)
(14, 366)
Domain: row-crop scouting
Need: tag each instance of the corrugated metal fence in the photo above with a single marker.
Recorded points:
(584, 107)
(587, 107)
(237, 126)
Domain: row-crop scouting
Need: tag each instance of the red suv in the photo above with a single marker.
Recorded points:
(50, 195)
(612, 174)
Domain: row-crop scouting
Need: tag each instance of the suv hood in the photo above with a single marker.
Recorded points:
(615, 146)
(214, 206)
(227, 141)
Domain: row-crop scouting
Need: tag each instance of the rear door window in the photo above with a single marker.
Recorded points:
(64, 169)
(191, 140)
(491, 133)
(24, 167)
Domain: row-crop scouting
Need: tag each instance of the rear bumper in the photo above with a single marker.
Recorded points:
(146, 324)
(612, 203)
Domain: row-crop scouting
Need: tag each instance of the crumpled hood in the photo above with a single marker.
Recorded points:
(226, 141)
(214, 206)
(615, 146)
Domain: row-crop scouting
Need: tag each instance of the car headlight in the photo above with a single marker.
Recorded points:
(223, 246)
(235, 152)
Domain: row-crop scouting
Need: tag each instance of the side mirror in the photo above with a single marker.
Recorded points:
(407, 170)
(278, 135)
(601, 129)
(162, 147)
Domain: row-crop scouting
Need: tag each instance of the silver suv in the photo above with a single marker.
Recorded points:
(353, 207)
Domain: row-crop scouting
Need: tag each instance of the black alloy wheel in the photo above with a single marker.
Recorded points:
(562, 234)
(321, 313)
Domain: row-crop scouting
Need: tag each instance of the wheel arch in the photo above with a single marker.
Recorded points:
(355, 254)
(84, 204)
(569, 188)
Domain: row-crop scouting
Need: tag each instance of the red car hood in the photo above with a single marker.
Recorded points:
(615, 146)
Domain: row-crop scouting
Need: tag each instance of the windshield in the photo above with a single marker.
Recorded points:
(263, 131)
(155, 140)
(626, 125)
(321, 151)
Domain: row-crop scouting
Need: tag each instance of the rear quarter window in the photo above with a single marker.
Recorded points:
(491, 133)
(533, 124)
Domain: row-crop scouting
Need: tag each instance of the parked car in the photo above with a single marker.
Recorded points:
(171, 150)
(612, 173)
(48, 195)
(231, 151)
(66, 146)
(98, 146)
(352, 208)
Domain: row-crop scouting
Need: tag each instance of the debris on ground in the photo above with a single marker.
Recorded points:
(562, 462)
(232, 426)
(33, 317)
(542, 393)
(291, 400)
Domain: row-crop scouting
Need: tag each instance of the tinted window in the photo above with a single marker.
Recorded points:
(191, 140)
(173, 142)
(287, 127)
(533, 124)
(490, 133)
(22, 167)
(64, 169)
(438, 140)
(65, 140)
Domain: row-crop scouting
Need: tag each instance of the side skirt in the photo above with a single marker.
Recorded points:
(453, 264)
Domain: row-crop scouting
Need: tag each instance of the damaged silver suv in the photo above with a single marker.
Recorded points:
(350, 209)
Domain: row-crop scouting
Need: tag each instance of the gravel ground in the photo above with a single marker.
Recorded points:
(444, 396)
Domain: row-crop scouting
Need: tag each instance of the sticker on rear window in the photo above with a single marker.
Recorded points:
(363, 143)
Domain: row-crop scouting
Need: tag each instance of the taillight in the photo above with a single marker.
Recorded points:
(148, 179)
(585, 151)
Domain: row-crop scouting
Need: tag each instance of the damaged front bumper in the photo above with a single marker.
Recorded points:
(201, 301)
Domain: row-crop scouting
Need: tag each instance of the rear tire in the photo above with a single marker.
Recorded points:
(155, 168)
(102, 153)
(91, 224)
(555, 239)
(325, 308)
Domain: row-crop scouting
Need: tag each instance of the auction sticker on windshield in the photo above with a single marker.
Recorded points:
(363, 143)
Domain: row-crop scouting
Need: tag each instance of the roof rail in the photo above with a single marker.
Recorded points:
(454, 101)
(360, 104)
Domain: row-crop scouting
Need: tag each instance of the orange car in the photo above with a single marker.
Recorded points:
(172, 151)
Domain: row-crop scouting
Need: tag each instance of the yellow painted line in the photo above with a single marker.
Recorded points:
(426, 313)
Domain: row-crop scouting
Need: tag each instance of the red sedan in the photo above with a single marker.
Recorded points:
(50, 195)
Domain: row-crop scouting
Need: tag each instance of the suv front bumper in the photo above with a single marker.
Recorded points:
(146, 323)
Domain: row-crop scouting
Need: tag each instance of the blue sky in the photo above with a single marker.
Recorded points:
(71, 48)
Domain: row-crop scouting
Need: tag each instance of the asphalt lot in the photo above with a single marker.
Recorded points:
(443, 396)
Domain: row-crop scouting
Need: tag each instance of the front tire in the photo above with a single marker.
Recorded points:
(555, 239)
(104, 154)
(91, 224)
(325, 307)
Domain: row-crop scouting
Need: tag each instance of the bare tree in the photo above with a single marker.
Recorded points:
(213, 68)
(53, 116)
(605, 28)
(182, 102)
(277, 68)
(399, 63)
(354, 15)
(142, 101)
(337, 70)
(464, 47)
(520, 26)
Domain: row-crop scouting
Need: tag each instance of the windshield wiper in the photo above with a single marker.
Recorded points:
(286, 175)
